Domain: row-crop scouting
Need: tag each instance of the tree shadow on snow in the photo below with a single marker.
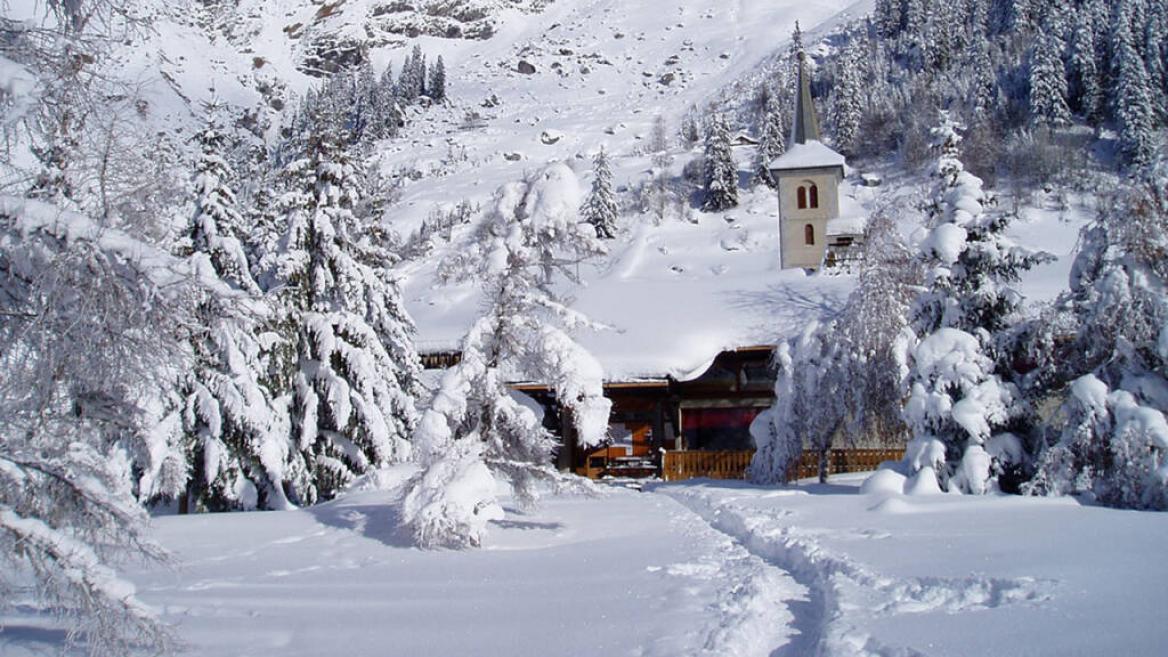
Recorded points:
(806, 488)
(508, 523)
(527, 525)
(33, 640)
(380, 522)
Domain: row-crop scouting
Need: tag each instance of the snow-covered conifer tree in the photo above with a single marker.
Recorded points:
(1048, 83)
(437, 87)
(217, 226)
(355, 372)
(960, 409)
(1134, 106)
(412, 82)
(847, 106)
(984, 84)
(771, 144)
(1113, 443)
(599, 208)
(796, 40)
(475, 428)
(1086, 90)
(721, 172)
(915, 18)
(886, 16)
(236, 433)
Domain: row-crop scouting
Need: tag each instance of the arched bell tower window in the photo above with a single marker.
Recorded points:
(809, 234)
(808, 196)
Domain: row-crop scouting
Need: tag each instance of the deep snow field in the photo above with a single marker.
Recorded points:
(700, 568)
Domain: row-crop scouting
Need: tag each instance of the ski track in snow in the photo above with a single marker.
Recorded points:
(841, 593)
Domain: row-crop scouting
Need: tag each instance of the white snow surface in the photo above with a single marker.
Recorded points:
(701, 568)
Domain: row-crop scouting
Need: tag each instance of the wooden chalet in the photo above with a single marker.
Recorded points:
(653, 419)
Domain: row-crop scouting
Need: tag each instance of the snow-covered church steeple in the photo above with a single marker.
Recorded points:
(808, 177)
(806, 123)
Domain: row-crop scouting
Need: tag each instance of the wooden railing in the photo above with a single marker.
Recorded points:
(677, 466)
(840, 461)
(714, 465)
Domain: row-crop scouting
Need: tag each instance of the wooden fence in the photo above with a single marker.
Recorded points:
(714, 465)
(732, 465)
(840, 461)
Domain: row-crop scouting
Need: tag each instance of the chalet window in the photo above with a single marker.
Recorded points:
(718, 428)
(802, 198)
(809, 234)
(814, 196)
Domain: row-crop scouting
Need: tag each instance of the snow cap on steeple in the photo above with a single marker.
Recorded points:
(806, 125)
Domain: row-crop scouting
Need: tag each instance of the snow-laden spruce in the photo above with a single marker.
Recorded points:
(599, 208)
(1113, 442)
(960, 410)
(1048, 83)
(771, 142)
(475, 428)
(354, 373)
(720, 176)
(236, 433)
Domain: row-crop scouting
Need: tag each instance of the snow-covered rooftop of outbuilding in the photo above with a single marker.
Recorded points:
(853, 216)
(813, 154)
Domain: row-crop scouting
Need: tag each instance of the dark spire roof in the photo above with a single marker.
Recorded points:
(806, 125)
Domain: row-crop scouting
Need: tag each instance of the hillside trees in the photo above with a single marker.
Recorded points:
(848, 110)
(771, 142)
(474, 428)
(720, 175)
(1135, 108)
(599, 208)
(437, 85)
(1048, 83)
(1005, 67)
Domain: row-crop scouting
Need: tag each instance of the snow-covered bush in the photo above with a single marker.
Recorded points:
(474, 429)
(1114, 443)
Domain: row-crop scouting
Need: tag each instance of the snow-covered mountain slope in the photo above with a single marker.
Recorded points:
(556, 81)
(676, 293)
